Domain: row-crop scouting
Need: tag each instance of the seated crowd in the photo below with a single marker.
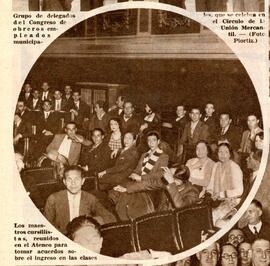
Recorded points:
(140, 163)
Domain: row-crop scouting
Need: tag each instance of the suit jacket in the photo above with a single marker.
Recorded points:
(213, 124)
(52, 123)
(115, 113)
(152, 180)
(131, 125)
(25, 130)
(201, 132)
(97, 159)
(75, 149)
(124, 166)
(57, 209)
(63, 107)
(38, 105)
(22, 97)
(56, 5)
(247, 143)
(233, 135)
(264, 233)
(83, 112)
(49, 96)
(180, 125)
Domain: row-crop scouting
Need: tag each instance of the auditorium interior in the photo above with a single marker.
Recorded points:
(151, 57)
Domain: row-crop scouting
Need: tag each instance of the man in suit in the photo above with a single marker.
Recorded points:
(21, 130)
(181, 120)
(248, 136)
(35, 103)
(209, 256)
(228, 133)
(260, 252)
(69, 144)
(129, 122)
(79, 110)
(256, 228)
(98, 157)
(58, 103)
(25, 95)
(68, 95)
(63, 206)
(45, 92)
(194, 131)
(100, 119)
(23, 112)
(211, 120)
(118, 108)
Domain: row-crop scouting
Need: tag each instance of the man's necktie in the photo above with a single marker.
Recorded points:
(255, 230)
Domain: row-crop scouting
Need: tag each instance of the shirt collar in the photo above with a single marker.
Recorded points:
(258, 226)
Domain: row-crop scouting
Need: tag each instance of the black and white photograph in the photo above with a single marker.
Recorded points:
(130, 126)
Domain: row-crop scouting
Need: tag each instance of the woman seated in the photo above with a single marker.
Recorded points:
(226, 184)
(130, 198)
(181, 192)
(126, 161)
(115, 140)
(201, 167)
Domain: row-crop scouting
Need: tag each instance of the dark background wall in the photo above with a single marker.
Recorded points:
(163, 82)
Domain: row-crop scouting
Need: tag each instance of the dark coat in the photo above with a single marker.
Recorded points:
(264, 233)
(124, 166)
(131, 125)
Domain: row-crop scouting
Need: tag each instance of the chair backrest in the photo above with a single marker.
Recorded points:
(117, 239)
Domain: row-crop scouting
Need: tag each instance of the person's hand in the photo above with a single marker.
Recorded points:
(168, 175)
(143, 127)
(85, 168)
(120, 189)
(48, 133)
(78, 139)
(135, 177)
(114, 153)
(101, 174)
(74, 112)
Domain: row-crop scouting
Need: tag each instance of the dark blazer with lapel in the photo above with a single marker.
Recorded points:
(131, 125)
(233, 135)
(124, 166)
(97, 159)
(23, 98)
(57, 209)
(38, 105)
(264, 233)
(201, 132)
(64, 105)
(83, 112)
(52, 123)
(75, 149)
(152, 180)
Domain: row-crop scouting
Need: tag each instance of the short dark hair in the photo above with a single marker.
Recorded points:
(196, 108)
(260, 135)
(76, 91)
(254, 114)
(98, 129)
(79, 222)
(46, 101)
(257, 203)
(153, 133)
(73, 168)
(70, 123)
(227, 244)
(132, 133)
(182, 172)
(117, 119)
(225, 113)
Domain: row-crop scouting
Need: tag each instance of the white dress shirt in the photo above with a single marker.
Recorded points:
(58, 105)
(44, 95)
(35, 103)
(74, 205)
(65, 146)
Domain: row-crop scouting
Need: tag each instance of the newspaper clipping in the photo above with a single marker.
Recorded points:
(135, 132)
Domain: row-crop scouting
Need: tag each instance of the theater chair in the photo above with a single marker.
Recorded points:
(40, 183)
(173, 231)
